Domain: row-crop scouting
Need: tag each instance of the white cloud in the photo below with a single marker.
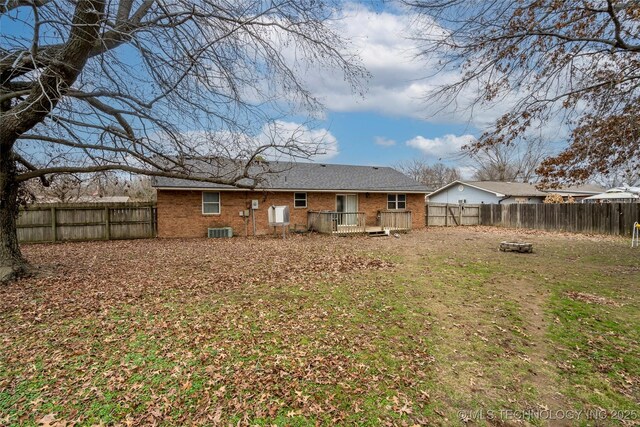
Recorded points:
(440, 146)
(400, 79)
(276, 140)
(384, 142)
(380, 40)
(319, 144)
(466, 172)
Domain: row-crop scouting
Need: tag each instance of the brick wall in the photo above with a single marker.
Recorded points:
(180, 211)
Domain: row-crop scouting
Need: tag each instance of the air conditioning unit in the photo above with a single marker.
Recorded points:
(220, 232)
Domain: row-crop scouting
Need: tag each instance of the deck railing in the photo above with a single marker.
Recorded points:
(395, 220)
(331, 222)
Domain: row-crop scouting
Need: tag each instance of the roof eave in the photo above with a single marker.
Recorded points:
(305, 190)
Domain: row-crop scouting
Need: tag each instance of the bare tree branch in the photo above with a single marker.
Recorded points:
(573, 64)
(9, 5)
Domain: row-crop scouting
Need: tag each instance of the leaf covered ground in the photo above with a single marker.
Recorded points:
(436, 327)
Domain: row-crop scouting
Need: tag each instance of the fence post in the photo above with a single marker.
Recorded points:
(460, 214)
(446, 214)
(53, 224)
(107, 223)
(426, 214)
(152, 222)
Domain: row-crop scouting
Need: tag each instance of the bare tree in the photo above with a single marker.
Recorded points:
(517, 162)
(619, 175)
(62, 188)
(143, 86)
(105, 184)
(139, 189)
(572, 64)
(70, 188)
(432, 176)
(59, 188)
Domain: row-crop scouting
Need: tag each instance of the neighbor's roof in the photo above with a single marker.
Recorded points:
(578, 190)
(614, 193)
(522, 189)
(499, 188)
(313, 177)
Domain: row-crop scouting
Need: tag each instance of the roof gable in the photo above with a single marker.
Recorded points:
(465, 183)
(497, 188)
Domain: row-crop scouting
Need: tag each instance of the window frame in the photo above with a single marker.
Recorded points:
(295, 199)
(219, 203)
(396, 202)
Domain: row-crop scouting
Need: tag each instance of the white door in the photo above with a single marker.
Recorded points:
(347, 206)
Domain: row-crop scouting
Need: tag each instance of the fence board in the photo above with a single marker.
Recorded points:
(605, 218)
(87, 221)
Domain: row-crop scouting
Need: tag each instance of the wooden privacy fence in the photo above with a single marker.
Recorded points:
(604, 218)
(53, 222)
(446, 215)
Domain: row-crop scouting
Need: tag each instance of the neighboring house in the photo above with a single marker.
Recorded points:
(498, 192)
(578, 192)
(478, 192)
(188, 208)
(614, 195)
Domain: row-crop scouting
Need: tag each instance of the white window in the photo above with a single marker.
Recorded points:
(396, 201)
(300, 200)
(210, 203)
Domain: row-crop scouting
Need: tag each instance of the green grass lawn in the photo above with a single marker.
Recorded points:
(435, 328)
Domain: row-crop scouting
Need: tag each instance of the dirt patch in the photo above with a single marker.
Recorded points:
(592, 299)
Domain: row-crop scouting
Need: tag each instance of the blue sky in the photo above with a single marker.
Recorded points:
(374, 138)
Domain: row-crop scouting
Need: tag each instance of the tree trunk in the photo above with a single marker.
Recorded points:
(12, 264)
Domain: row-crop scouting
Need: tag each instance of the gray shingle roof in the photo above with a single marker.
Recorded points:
(315, 177)
(579, 189)
(521, 189)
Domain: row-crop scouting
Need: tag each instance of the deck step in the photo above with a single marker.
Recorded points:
(377, 233)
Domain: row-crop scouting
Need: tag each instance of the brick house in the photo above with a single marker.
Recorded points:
(350, 198)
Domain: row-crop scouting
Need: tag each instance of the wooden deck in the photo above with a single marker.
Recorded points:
(345, 223)
(331, 222)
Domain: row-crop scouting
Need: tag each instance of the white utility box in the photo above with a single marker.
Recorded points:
(278, 215)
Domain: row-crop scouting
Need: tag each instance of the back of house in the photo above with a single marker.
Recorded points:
(188, 208)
